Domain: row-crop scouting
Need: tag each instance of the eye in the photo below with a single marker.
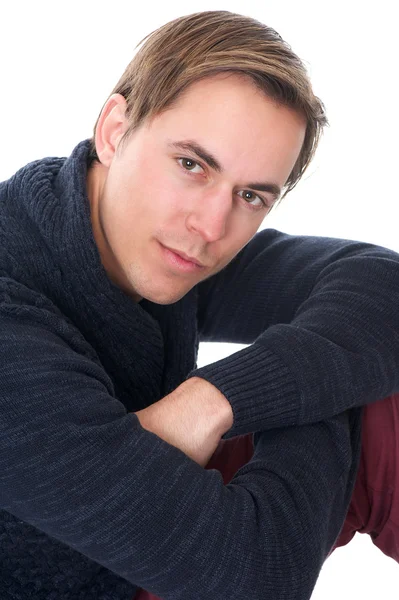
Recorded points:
(188, 164)
(252, 199)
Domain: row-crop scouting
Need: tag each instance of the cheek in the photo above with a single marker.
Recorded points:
(143, 204)
(236, 239)
(155, 181)
(242, 230)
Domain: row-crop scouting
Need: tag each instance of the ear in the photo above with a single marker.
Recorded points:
(111, 126)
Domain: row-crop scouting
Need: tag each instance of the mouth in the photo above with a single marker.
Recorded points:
(186, 257)
(181, 261)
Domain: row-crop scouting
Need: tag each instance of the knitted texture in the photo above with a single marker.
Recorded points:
(93, 505)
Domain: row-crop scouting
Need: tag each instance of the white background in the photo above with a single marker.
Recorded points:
(60, 60)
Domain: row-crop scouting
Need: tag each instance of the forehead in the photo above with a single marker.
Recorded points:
(224, 94)
(237, 123)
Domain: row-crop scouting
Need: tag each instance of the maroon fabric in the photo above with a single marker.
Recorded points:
(374, 507)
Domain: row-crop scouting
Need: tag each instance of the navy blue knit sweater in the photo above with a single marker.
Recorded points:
(93, 505)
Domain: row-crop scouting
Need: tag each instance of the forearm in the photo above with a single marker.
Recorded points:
(192, 418)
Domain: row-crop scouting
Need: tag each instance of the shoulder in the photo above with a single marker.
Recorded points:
(26, 315)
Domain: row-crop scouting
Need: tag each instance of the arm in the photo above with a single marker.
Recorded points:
(75, 465)
(322, 322)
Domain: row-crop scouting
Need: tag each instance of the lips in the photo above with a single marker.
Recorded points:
(180, 262)
(185, 256)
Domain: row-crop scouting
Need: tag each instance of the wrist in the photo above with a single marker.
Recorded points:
(214, 405)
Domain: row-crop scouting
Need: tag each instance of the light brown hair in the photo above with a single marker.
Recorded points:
(203, 44)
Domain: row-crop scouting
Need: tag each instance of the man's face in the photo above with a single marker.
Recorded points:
(197, 179)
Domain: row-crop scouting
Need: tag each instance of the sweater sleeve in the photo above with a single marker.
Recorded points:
(321, 319)
(77, 466)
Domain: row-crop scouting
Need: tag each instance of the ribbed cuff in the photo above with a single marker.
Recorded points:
(260, 388)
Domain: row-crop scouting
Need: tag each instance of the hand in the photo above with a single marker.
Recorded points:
(192, 418)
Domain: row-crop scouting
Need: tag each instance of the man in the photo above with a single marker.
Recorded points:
(115, 263)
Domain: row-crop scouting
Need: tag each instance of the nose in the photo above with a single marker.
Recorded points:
(209, 215)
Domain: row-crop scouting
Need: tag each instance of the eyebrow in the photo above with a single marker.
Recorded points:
(211, 161)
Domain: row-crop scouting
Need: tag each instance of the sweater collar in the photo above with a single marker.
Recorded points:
(110, 320)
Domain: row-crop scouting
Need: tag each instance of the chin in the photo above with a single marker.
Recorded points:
(162, 296)
(159, 289)
(162, 299)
